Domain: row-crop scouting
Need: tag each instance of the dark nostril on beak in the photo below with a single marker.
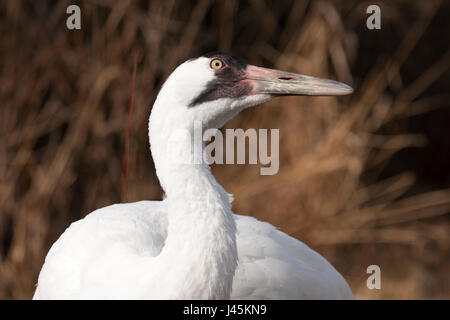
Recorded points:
(285, 78)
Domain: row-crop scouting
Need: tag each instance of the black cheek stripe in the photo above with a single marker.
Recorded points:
(216, 90)
(227, 82)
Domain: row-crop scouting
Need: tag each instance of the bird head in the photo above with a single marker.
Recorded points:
(215, 87)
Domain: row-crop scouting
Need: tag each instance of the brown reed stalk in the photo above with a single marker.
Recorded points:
(128, 131)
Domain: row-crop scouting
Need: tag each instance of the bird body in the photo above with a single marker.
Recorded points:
(191, 245)
(110, 255)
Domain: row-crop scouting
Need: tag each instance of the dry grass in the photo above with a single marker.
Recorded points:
(64, 118)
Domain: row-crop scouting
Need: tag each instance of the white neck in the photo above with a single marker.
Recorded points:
(200, 250)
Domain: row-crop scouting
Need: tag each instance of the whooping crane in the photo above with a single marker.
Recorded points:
(191, 245)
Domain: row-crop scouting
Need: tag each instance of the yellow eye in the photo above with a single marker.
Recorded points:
(216, 64)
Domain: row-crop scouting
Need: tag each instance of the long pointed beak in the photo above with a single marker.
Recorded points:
(276, 82)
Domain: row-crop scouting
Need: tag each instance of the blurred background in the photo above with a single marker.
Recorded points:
(364, 179)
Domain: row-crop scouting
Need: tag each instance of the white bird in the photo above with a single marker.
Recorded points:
(191, 245)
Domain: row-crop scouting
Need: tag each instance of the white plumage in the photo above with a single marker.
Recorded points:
(190, 245)
(109, 253)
